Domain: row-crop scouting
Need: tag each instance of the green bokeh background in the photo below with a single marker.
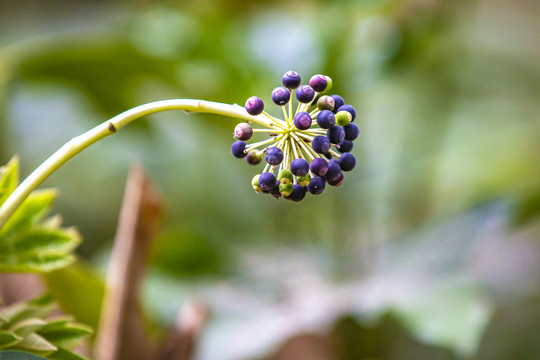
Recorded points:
(436, 232)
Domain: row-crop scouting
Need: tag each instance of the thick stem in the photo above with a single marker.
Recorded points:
(109, 127)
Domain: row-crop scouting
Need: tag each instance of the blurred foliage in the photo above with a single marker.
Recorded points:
(440, 224)
(28, 241)
(28, 327)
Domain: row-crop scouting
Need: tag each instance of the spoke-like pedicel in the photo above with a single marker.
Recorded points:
(300, 157)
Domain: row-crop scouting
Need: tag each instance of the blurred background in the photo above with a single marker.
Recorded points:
(429, 250)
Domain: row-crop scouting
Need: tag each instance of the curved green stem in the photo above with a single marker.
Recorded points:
(109, 127)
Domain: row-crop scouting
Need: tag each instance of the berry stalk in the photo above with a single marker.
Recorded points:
(110, 127)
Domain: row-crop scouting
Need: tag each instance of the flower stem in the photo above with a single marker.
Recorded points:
(110, 127)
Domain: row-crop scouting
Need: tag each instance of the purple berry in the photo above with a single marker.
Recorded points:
(274, 155)
(318, 83)
(351, 131)
(281, 96)
(336, 134)
(347, 162)
(305, 94)
(302, 120)
(328, 155)
(336, 181)
(317, 185)
(320, 144)
(334, 170)
(326, 119)
(319, 166)
(237, 149)
(275, 190)
(351, 110)
(338, 102)
(267, 181)
(298, 193)
(345, 146)
(299, 167)
(254, 105)
(243, 131)
(291, 79)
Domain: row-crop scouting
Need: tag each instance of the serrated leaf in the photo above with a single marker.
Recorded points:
(9, 178)
(40, 242)
(64, 354)
(34, 342)
(33, 209)
(19, 355)
(8, 339)
(23, 311)
(69, 335)
(27, 326)
(41, 264)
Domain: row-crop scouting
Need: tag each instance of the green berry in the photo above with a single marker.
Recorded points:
(325, 102)
(343, 118)
(304, 180)
(255, 183)
(285, 176)
(285, 189)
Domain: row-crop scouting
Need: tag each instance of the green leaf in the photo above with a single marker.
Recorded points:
(9, 178)
(8, 339)
(79, 291)
(64, 354)
(42, 242)
(41, 264)
(34, 342)
(68, 335)
(33, 209)
(27, 326)
(26, 310)
(19, 355)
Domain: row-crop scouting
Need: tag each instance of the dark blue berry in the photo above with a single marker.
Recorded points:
(326, 119)
(274, 155)
(267, 181)
(345, 146)
(334, 170)
(305, 94)
(317, 185)
(291, 79)
(338, 102)
(302, 120)
(336, 134)
(328, 155)
(319, 166)
(318, 83)
(298, 193)
(350, 109)
(281, 96)
(347, 161)
(243, 131)
(320, 144)
(336, 181)
(254, 105)
(299, 167)
(275, 190)
(237, 149)
(351, 131)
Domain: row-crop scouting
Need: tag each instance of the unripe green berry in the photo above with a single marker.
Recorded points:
(253, 157)
(255, 183)
(285, 177)
(285, 189)
(328, 84)
(343, 118)
(325, 103)
(304, 180)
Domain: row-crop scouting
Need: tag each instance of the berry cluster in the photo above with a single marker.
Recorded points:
(305, 151)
